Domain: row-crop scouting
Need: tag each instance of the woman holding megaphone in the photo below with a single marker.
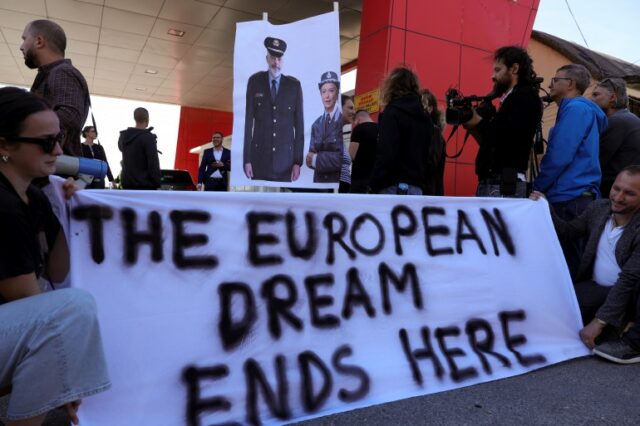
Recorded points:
(95, 151)
(50, 348)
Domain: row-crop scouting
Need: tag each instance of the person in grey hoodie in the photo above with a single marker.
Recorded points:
(140, 163)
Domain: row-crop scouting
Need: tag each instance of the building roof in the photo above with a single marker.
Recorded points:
(600, 65)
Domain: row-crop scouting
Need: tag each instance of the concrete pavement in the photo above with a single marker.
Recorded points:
(583, 391)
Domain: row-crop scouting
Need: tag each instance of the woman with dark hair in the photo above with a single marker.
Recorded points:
(50, 348)
(94, 151)
(404, 137)
(325, 148)
(434, 184)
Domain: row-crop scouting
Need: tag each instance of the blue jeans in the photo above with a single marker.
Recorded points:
(50, 352)
(567, 211)
(393, 189)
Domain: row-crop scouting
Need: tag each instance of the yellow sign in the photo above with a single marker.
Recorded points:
(369, 101)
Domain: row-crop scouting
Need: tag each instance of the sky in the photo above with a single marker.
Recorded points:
(609, 26)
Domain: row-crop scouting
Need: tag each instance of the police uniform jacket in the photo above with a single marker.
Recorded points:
(273, 132)
(326, 142)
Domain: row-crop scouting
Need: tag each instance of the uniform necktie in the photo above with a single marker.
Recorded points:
(327, 119)
(273, 91)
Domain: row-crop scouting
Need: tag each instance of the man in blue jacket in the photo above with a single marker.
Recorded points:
(570, 170)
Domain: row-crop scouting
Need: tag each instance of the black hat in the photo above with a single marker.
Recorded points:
(329, 77)
(275, 46)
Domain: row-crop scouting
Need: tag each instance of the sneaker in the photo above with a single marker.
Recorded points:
(618, 351)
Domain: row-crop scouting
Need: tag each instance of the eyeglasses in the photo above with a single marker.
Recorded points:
(556, 79)
(47, 144)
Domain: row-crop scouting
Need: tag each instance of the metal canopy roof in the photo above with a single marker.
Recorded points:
(119, 44)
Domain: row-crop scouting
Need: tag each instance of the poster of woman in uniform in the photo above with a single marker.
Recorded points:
(278, 70)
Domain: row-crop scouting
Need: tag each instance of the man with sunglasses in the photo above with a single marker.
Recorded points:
(58, 81)
(570, 169)
(620, 143)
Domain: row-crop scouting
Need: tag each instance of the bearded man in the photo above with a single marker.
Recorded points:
(505, 139)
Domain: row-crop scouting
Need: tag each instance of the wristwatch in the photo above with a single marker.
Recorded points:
(601, 322)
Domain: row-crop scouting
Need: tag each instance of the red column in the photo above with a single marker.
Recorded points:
(196, 127)
(448, 43)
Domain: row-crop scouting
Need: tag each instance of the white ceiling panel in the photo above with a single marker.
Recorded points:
(105, 64)
(98, 2)
(293, 12)
(78, 31)
(127, 21)
(216, 39)
(5, 52)
(188, 11)
(12, 36)
(256, 6)
(82, 60)
(156, 46)
(162, 26)
(214, 2)
(161, 73)
(74, 11)
(226, 20)
(146, 7)
(350, 49)
(349, 23)
(215, 81)
(81, 47)
(111, 76)
(158, 60)
(34, 7)
(118, 54)
(109, 81)
(16, 20)
(147, 81)
(122, 39)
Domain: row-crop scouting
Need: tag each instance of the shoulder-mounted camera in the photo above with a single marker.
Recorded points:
(460, 108)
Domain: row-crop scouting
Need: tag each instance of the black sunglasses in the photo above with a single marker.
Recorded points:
(47, 144)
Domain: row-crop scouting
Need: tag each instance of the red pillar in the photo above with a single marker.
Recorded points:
(196, 127)
(448, 43)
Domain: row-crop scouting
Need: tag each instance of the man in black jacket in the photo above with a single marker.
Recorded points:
(140, 163)
(506, 138)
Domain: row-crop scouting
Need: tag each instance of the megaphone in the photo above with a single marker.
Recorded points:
(74, 166)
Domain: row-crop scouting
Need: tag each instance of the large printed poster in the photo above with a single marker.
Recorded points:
(249, 308)
(287, 123)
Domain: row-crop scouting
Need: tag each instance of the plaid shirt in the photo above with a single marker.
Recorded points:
(64, 87)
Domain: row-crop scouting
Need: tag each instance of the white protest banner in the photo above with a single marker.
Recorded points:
(274, 133)
(265, 308)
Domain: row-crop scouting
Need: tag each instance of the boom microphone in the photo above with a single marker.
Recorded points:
(74, 166)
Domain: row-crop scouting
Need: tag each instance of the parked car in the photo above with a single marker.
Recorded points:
(176, 180)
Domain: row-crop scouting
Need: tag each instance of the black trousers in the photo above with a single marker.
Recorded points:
(219, 185)
(592, 295)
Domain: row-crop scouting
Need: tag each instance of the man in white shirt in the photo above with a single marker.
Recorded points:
(608, 281)
(215, 166)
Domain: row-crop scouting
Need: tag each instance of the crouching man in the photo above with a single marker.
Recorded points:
(608, 280)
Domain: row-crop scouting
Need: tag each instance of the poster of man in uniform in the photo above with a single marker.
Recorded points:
(286, 87)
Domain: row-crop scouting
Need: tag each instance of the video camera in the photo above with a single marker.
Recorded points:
(460, 108)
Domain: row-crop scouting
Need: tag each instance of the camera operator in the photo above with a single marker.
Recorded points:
(506, 137)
